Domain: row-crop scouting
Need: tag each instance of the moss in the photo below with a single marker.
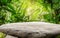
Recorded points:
(2, 35)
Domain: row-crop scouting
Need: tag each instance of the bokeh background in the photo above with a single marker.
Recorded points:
(12, 11)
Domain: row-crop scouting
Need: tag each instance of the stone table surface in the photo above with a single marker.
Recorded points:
(31, 29)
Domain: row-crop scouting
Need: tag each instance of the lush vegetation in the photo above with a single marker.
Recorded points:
(29, 10)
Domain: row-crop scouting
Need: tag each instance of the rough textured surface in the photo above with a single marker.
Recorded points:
(31, 29)
(8, 36)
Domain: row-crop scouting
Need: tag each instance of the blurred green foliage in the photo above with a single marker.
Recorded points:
(29, 10)
(2, 35)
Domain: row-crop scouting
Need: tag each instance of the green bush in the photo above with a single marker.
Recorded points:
(24, 10)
